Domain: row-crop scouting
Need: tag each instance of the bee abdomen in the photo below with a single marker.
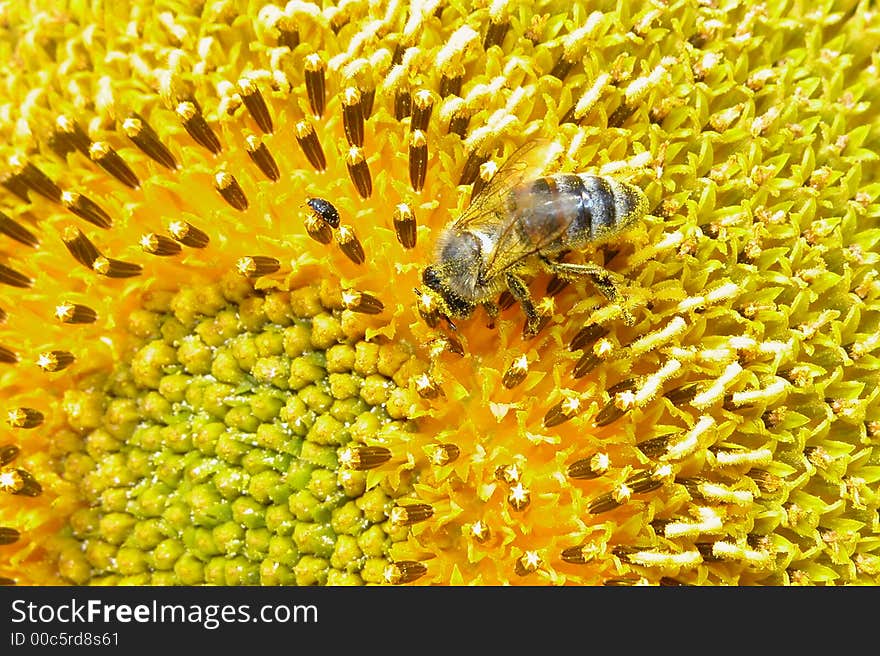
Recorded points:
(605, 205)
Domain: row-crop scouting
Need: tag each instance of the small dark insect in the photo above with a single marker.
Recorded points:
(325, 210)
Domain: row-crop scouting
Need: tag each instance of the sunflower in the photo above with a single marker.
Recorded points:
(215, 368)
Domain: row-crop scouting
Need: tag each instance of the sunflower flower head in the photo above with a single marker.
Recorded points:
(220, 363)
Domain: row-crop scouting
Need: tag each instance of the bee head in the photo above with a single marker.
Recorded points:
(449, 303)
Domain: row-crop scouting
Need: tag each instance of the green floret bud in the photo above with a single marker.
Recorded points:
(366, 358)
(279, 519)
(374, 570)
(148, 364)
(273, 437)
(172, 387)
(114, 499)
(147, 534)
(215, 571)
(224, 367)
(316, 398)
(349, 520)
(100, 554)
(248, 512)
(267, 486)
(208, 508)
(251, 314)
(241, 571)
(270, 342)
(200, 541)
(283, 549)
(328, 430)
(241, 418)
(275, 573)
(229, 537)
(100, 442)
(167, 553)
(217, 330)
(276, 305)
(298, 474)
(256, 543)
(323, 484)
(145, 324)
(189, 570)
(297, 415)
(195, 356)
(340, 358)
(84, 522)
(306, 302)
(131, 561)
(231, 482)
(230, 448)
(244, 350)
(177, 437)
(273, 370)
(348, 410)
(206, 435)
(319, 455)
(163, 578)
(375, 389)
(305, 370)
(177, 516)
(344, 386)
(337, 578)
(121, 418)
(311, 571)
(304, 505)
(347, 555)
(214, 399)
(297, 340)
(326, 331)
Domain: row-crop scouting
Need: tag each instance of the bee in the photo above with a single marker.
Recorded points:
(521, 221)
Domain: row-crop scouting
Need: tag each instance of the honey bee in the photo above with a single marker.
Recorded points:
(522, 221)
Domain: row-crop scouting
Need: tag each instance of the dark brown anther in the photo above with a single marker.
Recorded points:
(288, 35)
(318, 229)
(315, 84)
(443, 454)
(450, 86)
(519, 497)
(619, 115)
(361, 458)
(654, 448)
(543, 319)
(86, 209)
(405, 225)
(24, 418)
(16, 184)
(108, 159)
(608, 414)
(80, 246)
(147, 140)
(510, 474)
(587, 336)
(684, 394)
(644, 481)
(397, 57)
(587, 469)
(427, 388)
(197, 127)
(160, 245)
(472, 167)
(585, 365)
(506, 301)
(74, 313)
(402, 104)
(6, 581)
(487, 171)
(52, 361)
(623, 582)
(422, 106)
(13, 278)
(308, 141)
(458, 124)
(350, 244)
(404, 571)
(7, 356)
(453, 345)
(767, 483)
(495, 33)
(359, 172)
(255, 266)
(418, 159)
(255, 104)
(428, 309)
(361, 302)
(19, 482)
(516, 372)
(562, 412)
(562, 68)
(527, 563)
(3, 316)
(368, 98)
(18, 232)
(707, 551)
(603, 503)
(8, 535)
(231, 191)
(187, 234)
(555, 285)
(116, 268)
(407, 515)
(569, 116)
(8, 453)
(36, 180)
(579, 555)
(353, 117)
(260, 155)
(68, 136)
(624, 552)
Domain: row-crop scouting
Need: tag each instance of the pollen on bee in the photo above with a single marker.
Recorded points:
(443, 454)
(75, 313)
(360, 458)
(353, 116)
(405, 225)
(81, 247)
(479, 531)
(350, 244)
(359, 172)
(19, 482)
(314, 74)
(255, 104)
(69, 136)
(562, 411)
(52, 361)
(255, 266)
(187, 234)
(11, 277)
(111, 268)
(422, 106)
(160, 245)
(527, 563)
(33, 178)
(86, 209)
(307, 139)
(589, 468)
(197, 127)
(18, 232)
(516, 372)
(9, 535)
(361, 302)
(24, 418)
(147, 140)
(407, 515)
(260, 155)
(108, 159)
(404, 571)
(231, 191)
(426, 387)
(418, 159)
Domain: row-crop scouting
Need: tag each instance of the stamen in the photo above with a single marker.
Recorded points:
(24, 418)
(231, 191)
(108, 159)
(8, 535)
(581, 554)
(472, 167)
(52, 361)
(555, 285)
(350, 245)
(197, 127)
(427, 309)
(405, 225)
(255, 104)
(590, 468)
(260, 155)
(458, 123)
(402, 104)
(407, 515)
(562, 411)
(506, 300)
(353, 117)
(450, 85)
(359, 172)
(404, 571)
(75, 313)
(35, 179)
(516, 372)
(519, 497)
(443, 454)
(418, 159)
(86, 209)
(311, 147)
(116, 268)
(422, 106)
(18, 232)
(527, 564)
(8, 453)
(146, 138)
(187, 234)
(80, 246)
(361, 302)
(427, 388)
(15, 183)
(315, 84)
(480, 532)
(487, 172)
(69, 136)
(587, 336)
(496, 32)
(255, 266)
(19, 482)
(7, 356)
(360, 458)
(160, 245)
(318, 229)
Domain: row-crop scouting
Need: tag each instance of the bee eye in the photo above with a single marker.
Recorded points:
(431, 278)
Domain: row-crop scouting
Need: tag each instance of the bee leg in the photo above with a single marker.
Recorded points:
(520, 292)
(492, 311)
(602, 279)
